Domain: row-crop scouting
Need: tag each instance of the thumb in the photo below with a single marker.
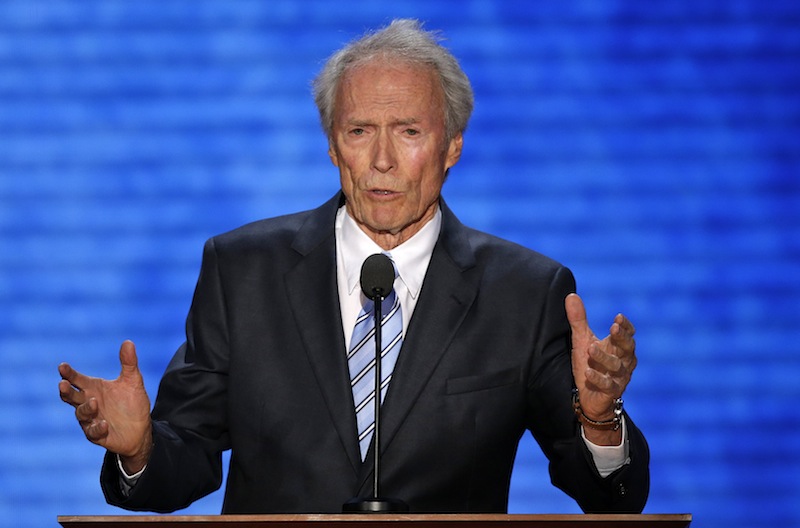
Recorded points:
(576, 315)
(128, 359)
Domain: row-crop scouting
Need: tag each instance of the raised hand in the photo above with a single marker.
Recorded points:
(602, 368)
(114, 414)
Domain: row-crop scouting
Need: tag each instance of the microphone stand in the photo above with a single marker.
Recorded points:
(376, 504)
(376, 433)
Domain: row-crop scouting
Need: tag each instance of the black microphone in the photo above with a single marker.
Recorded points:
(377, 276)
(377, 282)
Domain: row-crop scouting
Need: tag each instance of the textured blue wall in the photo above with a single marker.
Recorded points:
(651, 146)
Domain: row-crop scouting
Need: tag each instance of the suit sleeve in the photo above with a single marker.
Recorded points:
(557, 431)
(190, 421)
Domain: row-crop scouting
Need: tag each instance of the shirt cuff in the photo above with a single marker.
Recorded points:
(127, 482)
(608, 459)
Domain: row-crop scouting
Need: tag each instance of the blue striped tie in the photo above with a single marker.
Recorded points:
(361, 361)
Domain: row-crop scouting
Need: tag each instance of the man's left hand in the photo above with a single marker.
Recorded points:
(602, 368)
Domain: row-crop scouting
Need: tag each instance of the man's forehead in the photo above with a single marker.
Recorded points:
(404, 93)
(374, 77)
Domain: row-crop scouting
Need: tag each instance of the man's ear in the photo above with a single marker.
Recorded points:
(454, 150)
(332, 153)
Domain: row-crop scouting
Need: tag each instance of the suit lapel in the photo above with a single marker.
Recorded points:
(447, 294)
(314, 298)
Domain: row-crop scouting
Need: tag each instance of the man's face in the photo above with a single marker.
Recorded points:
(388, 140)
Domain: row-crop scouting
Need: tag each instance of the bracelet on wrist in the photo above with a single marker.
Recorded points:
(606, 425)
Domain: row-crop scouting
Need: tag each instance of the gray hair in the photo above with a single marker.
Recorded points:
(403, 39)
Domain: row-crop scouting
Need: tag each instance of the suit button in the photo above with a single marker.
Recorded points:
(622, 490)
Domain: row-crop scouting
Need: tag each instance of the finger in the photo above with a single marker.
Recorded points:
(625, 324)
(604, 361)
(620, 359)
(576, 315)
(621, 344)
(69, 394)
(87, 412)
(612, 386)
(621, 340)
(621, 328)
(96, 431)
(600, 382)
(75, 378)
(94, 427)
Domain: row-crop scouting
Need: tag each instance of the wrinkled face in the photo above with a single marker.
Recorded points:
(388, 141)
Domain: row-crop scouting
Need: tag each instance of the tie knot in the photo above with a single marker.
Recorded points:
(394, 265)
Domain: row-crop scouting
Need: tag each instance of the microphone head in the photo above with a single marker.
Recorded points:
(377, 276)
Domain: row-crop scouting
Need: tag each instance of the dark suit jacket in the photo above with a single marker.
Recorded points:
(263, 372)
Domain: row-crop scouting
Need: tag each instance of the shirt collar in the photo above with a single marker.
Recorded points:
(411, 258)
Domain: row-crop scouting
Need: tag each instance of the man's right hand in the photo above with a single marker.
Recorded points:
(114, 414)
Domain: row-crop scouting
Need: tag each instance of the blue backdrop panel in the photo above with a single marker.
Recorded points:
(651, 146)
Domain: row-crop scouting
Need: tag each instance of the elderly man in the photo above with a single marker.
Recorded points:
(491, 339)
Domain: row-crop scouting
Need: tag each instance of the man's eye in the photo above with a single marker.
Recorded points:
(412, 132)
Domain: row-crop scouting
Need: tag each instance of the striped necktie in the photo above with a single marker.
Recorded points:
(361, 361)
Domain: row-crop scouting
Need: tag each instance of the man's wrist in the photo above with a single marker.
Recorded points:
(131, 478)
(135, 463)
(610, 422)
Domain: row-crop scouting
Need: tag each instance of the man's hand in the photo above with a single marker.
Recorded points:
(114, 414)
(601, 368)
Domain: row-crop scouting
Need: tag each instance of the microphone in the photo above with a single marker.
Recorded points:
(377, 282)
(377, 276)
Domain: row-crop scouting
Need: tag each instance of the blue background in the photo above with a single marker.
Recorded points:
(651, 146)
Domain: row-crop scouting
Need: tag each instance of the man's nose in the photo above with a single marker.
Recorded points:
(384, 155)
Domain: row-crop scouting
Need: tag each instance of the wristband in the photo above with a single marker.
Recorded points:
(607, 425)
